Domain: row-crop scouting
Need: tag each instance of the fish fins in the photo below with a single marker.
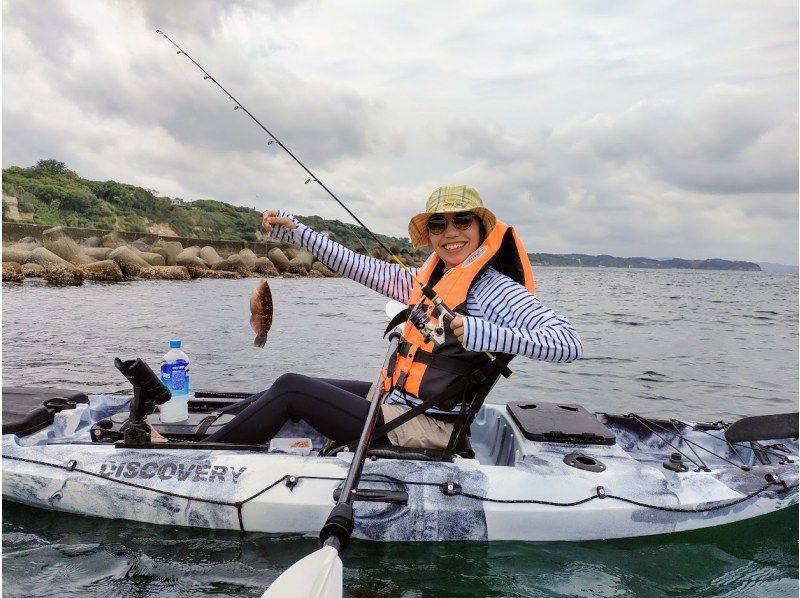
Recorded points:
(260, 340)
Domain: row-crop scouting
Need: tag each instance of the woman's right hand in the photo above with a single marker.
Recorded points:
(271, 217)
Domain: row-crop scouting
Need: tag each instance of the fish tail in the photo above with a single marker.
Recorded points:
(260, 340)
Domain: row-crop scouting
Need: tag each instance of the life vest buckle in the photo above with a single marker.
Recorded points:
(477, 377)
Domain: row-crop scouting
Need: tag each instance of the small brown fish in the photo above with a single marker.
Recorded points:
(261, 312)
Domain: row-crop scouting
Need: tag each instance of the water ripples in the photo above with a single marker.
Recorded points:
(701, 345)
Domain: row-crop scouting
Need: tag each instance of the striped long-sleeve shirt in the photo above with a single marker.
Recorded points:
(503, 316)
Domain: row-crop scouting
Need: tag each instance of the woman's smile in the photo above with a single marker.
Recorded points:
(454, 245)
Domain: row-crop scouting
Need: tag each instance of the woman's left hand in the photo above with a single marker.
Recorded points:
(457, 326)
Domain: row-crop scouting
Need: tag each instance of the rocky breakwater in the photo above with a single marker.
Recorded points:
(61, 261)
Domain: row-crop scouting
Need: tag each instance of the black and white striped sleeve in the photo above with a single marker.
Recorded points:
(506, 318)
(387, 279)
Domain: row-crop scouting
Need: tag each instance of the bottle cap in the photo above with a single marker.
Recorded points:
(175, 344)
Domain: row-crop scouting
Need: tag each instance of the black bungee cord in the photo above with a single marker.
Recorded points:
(426, 289)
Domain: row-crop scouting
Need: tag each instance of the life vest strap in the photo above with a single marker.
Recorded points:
(440, 362)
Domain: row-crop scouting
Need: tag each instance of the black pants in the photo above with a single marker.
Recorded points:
(334, 408)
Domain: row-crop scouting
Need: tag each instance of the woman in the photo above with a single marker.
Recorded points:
(478, 267)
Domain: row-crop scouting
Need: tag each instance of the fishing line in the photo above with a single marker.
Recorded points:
(426, 290)
(239, 106)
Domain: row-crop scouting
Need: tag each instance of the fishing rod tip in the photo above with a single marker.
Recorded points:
(159, 31)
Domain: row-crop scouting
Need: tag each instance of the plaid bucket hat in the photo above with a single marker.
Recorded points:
(448, 199)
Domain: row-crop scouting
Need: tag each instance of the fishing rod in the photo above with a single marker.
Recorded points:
(426, 289)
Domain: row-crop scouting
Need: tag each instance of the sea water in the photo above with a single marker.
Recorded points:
(699, 345)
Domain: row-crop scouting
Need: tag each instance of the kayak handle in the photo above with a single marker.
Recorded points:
(395, 497)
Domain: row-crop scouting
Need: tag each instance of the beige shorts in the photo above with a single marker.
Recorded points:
(419, 432)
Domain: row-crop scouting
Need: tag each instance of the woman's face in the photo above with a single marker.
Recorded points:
(454, 236)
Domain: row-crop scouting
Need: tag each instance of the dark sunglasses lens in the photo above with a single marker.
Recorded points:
(437, 225)
(463, 221)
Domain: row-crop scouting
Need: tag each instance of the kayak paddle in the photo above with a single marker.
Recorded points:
(319, 575)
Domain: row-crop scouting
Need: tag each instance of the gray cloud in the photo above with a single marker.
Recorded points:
(683, 178)
(54, 32)
(203, 17)
(635, 129)
(726, 143)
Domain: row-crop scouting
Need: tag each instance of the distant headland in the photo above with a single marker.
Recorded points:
(50, 195)
(609, 261)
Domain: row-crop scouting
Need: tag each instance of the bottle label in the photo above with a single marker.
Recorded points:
(175, 376)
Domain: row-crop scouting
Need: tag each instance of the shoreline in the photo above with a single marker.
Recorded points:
(40, 280)
(115, 257)
(110, 256)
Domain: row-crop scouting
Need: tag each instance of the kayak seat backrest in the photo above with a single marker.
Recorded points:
(763, 427)
(28, 410)
(471, 403)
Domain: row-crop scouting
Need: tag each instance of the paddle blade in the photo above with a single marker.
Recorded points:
(319, 575)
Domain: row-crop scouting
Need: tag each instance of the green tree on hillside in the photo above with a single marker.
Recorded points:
(52, 166)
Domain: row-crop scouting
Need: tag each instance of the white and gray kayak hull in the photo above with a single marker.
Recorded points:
(516, 488)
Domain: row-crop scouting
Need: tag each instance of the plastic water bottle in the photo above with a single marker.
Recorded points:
(175, 376)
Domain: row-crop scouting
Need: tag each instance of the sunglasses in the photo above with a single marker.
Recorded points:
(436, 225)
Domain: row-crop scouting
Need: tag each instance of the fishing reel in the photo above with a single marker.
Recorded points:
(431, 331)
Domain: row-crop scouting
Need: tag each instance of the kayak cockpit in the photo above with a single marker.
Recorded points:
(503, 435)
(496, 438)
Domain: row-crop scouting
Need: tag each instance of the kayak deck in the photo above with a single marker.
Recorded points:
(658, 476)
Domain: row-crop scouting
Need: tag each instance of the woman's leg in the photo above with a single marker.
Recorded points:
(335, 408)
(357, 387)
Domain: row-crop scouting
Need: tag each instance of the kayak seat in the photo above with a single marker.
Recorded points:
(472, 397)
(28, 410)
(763, 427)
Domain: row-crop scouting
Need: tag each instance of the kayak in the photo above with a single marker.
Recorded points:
(532, 471)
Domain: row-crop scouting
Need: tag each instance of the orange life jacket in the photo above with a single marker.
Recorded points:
(423, 369)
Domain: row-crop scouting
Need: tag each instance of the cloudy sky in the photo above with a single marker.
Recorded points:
(635, 128)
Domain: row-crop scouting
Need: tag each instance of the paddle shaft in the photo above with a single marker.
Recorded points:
(336, 531)
(376, 400)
